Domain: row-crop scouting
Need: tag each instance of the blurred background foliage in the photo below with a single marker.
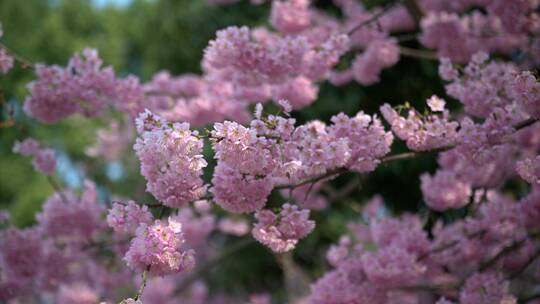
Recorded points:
(142, 37)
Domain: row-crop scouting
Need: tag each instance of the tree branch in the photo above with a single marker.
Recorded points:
(531, 259)
(209, 264)
(57, 188)
(25, 63)
(414, 10)
(525, 123)
(374, 18)
(422, 54)
(143, 284)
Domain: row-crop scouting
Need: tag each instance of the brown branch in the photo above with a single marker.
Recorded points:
(508, 249)
(525, 123)
(337, 195)
(531, 259)
(449, 245)
(314, 179)
(414, 10)
(415, 53)
(503, 252)
(434, 288)
(401, 156)
(374, 18)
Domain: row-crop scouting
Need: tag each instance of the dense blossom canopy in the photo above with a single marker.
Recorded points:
(213, 153)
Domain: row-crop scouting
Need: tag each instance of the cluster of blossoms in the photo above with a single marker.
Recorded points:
(171, 160)
(124, 218)
(423, 132)
(66, 217)
(43, 160)
(273, 152)
(466, 255)
(252, 161)
(529, 169)
(281, 232)
(485, 153)
(505, 26)
(263, 65)
(159, 248)
(83, 86)
(243, 66)
(56, 256)
(112, 142)
(6, 60)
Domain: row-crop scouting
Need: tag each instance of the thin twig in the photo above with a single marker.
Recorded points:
(401, 156)
(209, 264)
(448, 245)
(435, 288)
(503, 252)
(414, 10)
(531, 259)
(515, 245)
(25, 63)
(337, 195)
(57, 188)
(308, 192)
(374, 18)
(328, 174)
(525, 123)
(143, 284)
(422, 54)
(406, 37)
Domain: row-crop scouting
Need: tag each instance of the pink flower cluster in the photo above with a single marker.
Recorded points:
(470, 255)
(379, 55)
(529, 169)
(112, 142)
(369, 31)
(484, 288)
(290, 16)
(171, 160)
(422, 133)
(66, 217)
(272, 151)
(368, 140)
(159, 248)
(6, 60)
(281, 232)
(231, 226)
(124, 218)
(261, 65)
(199, 100)
(459, 37)
(394, 254)
(242, 56)
(369, 276)
(44, 160)
(82, 87)
(483, 86)
(444, 191)
(526, 91)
